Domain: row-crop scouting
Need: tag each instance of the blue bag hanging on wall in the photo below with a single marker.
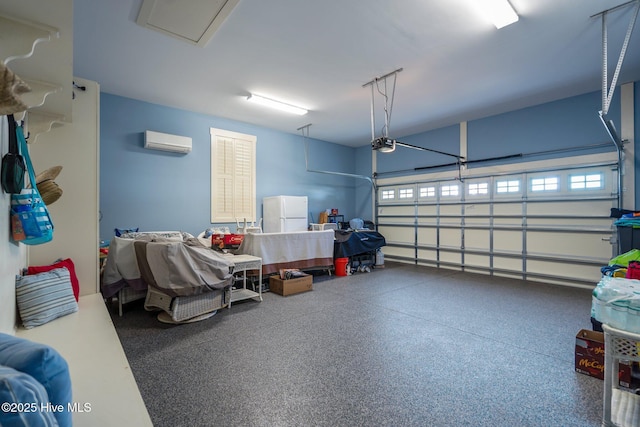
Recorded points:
(30, 220)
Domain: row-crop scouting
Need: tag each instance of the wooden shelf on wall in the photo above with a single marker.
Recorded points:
(39, 92)
(39, 122)
(37, 45)
(20, 37)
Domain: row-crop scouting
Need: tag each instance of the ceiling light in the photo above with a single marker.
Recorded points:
(500, 12)
(276, 104)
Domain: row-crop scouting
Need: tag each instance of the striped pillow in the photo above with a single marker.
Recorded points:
(45, 296)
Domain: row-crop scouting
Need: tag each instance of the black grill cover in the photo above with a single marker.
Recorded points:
(349, 243)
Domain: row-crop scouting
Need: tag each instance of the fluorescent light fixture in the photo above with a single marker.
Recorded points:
(276, 104)
(500, 12)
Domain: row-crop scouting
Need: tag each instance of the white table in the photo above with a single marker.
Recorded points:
(303, 250)
(242, 264)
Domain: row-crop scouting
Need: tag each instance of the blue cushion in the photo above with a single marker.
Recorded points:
(45, 296)
(44, 364)
(121, 231)
(23, 400)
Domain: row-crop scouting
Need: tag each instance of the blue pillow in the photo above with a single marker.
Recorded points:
(120, 231)
(45, 296)
(23, 399)
(45, 365)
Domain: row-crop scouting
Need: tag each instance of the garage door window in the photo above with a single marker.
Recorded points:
(449, 190)
(544, 184)
(585, 182)
(478, 189)
(509, 186)
(427, 192)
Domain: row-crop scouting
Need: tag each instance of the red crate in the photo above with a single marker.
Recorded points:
(227, 241)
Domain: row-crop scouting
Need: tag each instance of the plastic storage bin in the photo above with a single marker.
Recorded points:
(621, 407)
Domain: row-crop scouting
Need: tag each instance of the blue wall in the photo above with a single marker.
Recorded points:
(157, 190)
(364, 188)
(154, 190)
(529, 134)
(445, 139)
(565, 124)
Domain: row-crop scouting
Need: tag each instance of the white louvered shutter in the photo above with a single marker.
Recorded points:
(232, 176)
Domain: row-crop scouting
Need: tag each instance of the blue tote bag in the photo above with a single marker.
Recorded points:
(30, 220)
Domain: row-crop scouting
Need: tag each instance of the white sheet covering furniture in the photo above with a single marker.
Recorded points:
(121, 268)
(185, 279)
(304, 250)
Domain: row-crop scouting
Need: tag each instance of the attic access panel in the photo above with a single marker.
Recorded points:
(193, 21)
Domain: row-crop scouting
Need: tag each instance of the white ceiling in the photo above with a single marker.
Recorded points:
(319, 54)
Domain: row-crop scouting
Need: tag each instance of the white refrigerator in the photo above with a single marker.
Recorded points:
(284, 213)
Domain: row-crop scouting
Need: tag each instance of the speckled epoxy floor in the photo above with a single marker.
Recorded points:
(400, 346)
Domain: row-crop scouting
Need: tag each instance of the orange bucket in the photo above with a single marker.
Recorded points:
(341, 266)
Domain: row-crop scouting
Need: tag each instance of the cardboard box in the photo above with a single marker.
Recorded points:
(290, 286)
(590, 357)
(590, 353)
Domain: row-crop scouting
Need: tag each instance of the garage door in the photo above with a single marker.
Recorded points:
(547, 224)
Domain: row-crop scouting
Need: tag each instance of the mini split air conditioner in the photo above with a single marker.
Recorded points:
(166, 142)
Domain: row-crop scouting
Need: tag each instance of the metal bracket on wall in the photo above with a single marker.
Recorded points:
(609, 89)
(305, 134)
(383, 143)
(388, 102)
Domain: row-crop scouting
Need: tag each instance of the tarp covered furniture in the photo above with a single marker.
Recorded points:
(179, 276)
(350, 243)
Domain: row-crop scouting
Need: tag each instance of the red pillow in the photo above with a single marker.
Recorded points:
(68, 264)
